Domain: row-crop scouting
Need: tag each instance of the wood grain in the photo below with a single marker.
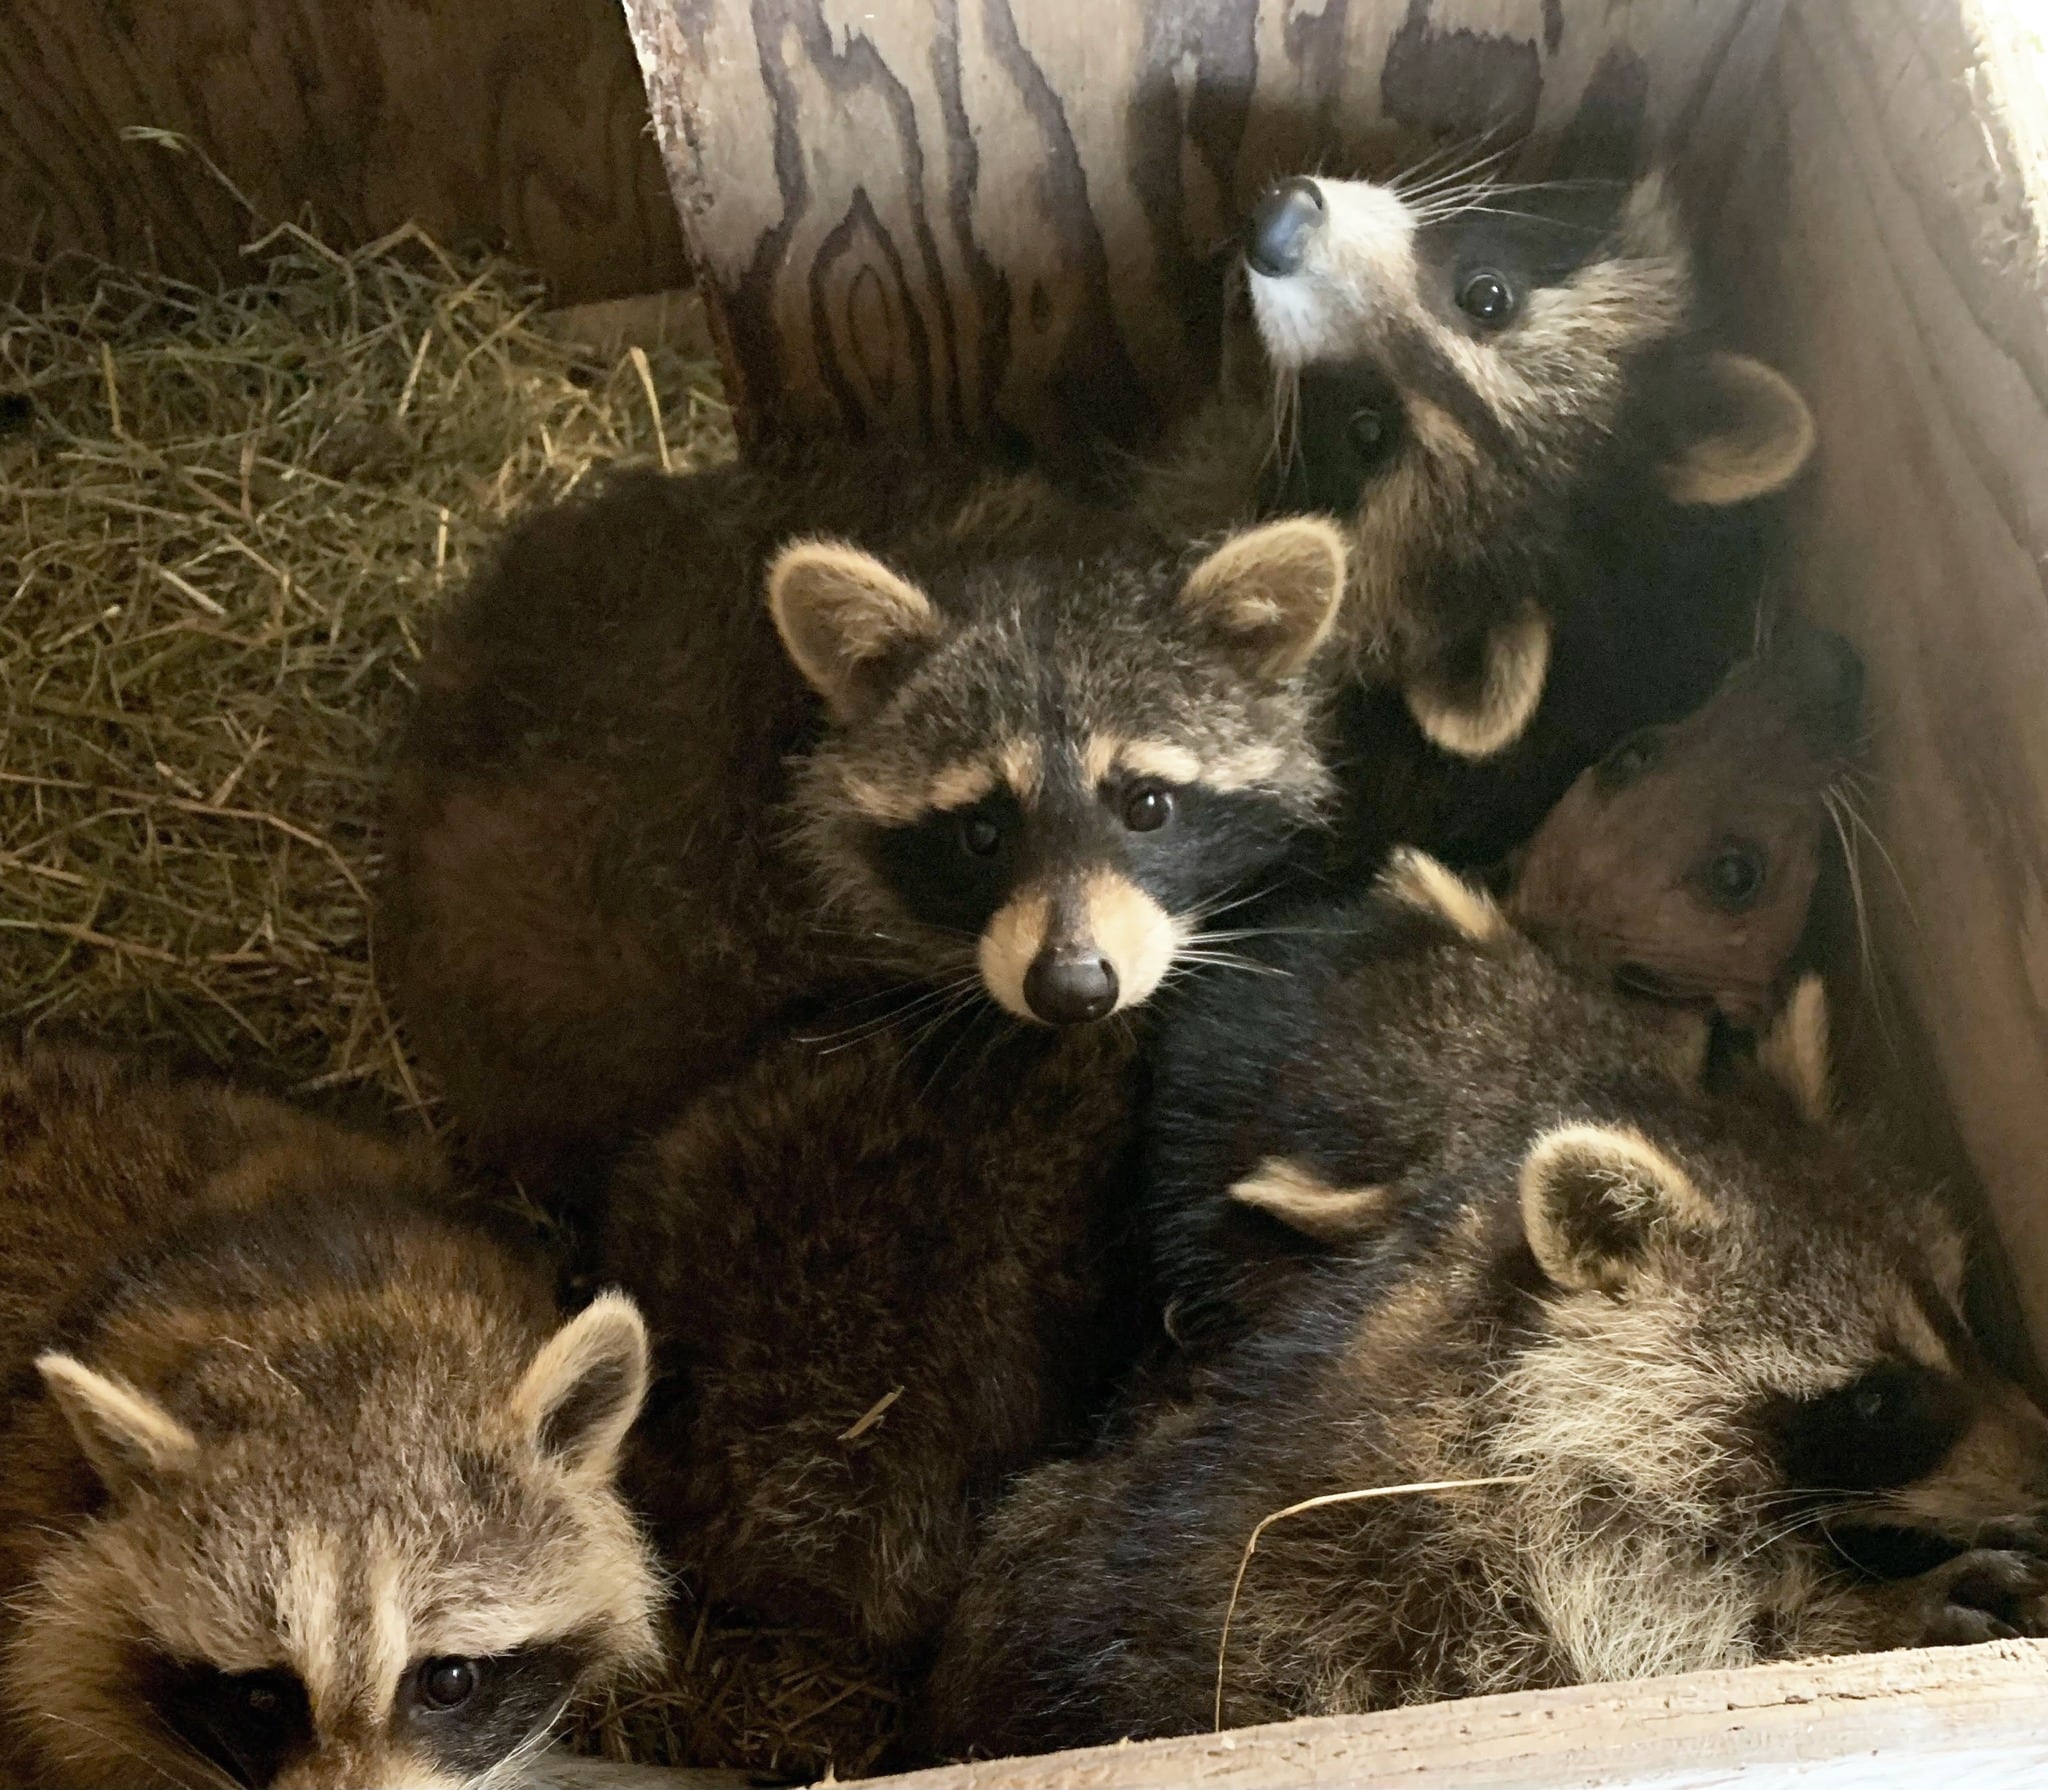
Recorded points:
(513, 123)
(1889, 220)
(1002, 216)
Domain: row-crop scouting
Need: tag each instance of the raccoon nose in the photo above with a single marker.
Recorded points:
(1282, 223)
(1070, 987)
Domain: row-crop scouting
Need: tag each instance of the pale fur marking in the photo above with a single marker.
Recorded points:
(1013, 937)
(1133, 931)
(959, 785)
(1763, 449)
(309, 1617)
(1794, 1052)
(890, 807)
(1022, 768)
(1099, 753)
(1168, 761)
(390, 1623)
(1421, 881)
(1303, 1201)
(1517, 664)
(121, 1429)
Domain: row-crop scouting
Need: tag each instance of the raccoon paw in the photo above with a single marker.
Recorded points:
(1988, 1594)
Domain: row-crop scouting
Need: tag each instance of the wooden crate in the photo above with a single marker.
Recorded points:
(1002, 218)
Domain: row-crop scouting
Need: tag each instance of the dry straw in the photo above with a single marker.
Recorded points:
(226, 520)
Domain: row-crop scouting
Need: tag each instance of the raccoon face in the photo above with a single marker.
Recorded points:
(1460, 371)
(404, 1586)
(1048, 776)
(1686, 857)
(1751, 1367)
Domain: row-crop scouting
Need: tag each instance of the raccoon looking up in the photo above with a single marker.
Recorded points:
(303, 1481)
(977, 739)
(1712, 1355)
(1546, 475)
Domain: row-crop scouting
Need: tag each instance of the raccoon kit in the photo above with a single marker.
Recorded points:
(1708, 1360)
(1550, 481)
(301, 1479)
(644, 819)
(886, 1271)
(1683, 863)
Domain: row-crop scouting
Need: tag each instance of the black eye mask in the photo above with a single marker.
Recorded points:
(1349, 425)
(1889, 1426)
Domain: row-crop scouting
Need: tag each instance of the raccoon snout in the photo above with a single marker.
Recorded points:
(1282, 225)
(1070, 985)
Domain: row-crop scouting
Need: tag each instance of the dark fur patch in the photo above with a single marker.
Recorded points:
(250, 1724)
(516, 1693)
(1892, 1424)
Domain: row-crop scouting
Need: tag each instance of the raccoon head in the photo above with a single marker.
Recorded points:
(1750, 1384)
(378, 1544)
(1462, 373)
(1050, 774)
(1683, 862)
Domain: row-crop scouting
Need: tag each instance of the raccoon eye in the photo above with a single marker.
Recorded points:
(447, 1683)
(1148, 809)
(1366, 433)
(1487, 299)
(979, 836)
(1733, 878)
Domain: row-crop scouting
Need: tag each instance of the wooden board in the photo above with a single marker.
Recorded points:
(1003, 217)
(513, 123)
(1889, 214)
(1961, 1718)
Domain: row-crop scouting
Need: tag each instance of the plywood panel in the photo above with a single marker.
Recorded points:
(1888, 217)
(1002, 215)
(515, 123)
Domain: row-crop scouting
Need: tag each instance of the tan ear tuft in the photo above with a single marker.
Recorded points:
(1420, 881)
(129, 1438)
(1303, 1201)
(1593, 1196)
(841, 614)
(1480, 722)
(1747, 433)
(584, 1388)
(1273, 591)
(1794, 1052)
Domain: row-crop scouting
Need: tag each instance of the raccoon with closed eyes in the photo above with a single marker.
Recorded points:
(304, 1480)
(977, 739)
(1690, 1379)
(1554, 487)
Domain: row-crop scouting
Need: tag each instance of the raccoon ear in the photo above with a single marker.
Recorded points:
(1272, 592)
(842, 616)
(580, 1396)
(1743, 431)
(129, 1438)
(1592, 1198)
(1487, 713)
(1794, 1052)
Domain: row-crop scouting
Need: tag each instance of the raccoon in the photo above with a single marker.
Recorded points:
(1683, 862)
(303, 1480)
(1368, 1042)
(886, 1270)
(642, 819)
(1551, 483)
(1700, 1377)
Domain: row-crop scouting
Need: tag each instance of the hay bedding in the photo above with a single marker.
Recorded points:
(226, 520)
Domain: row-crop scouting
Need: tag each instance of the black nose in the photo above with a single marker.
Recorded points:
(1827, 672)
(1070, 987)
(1277, 237)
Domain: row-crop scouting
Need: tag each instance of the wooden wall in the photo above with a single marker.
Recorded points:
(514, 123)
(1004, 215)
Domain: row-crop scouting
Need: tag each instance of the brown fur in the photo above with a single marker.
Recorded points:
(627, 842)
(273, 1407)
(1719, 1351)
(932, 1222)
(1621, 872)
